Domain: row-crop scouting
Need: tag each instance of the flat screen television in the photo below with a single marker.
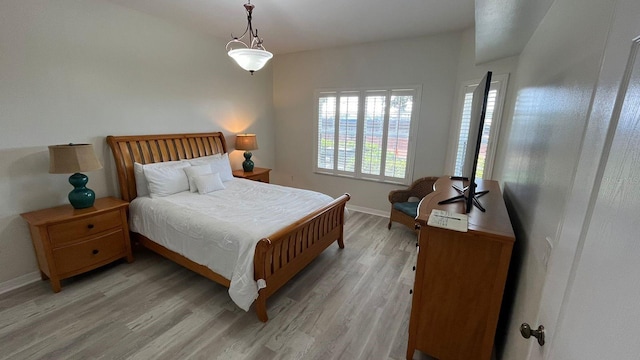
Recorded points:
(469, 194)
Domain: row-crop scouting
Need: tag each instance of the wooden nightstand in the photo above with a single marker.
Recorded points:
(258, 174)
(70, 241)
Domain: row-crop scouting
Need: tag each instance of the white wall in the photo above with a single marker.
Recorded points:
(439, 63)
(430, 61)
(468, 69)
(556, 76)
(79, 70)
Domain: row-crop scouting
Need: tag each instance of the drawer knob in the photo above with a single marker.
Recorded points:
(95, 251)
(90, 226)
(414, 268)
(411, 291)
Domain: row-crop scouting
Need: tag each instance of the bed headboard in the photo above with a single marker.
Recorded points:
(146, 149)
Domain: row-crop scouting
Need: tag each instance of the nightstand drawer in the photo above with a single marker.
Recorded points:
(73, 230)
(91, 253)
(258, 174)
(261, 177)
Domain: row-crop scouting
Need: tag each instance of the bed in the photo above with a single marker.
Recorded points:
(277, 257)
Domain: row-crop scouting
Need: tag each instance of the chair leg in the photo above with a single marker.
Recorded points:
(390, 218)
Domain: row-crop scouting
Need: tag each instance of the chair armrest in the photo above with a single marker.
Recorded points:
(399, 196)
(419, 188)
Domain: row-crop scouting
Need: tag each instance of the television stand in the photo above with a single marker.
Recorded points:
(460, 279)
(463, 198)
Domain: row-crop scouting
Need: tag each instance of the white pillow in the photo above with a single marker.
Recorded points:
(167, 180)
(142, 186)
(208, 183)
(142, 189)
(194, 171)
(205, 158)
(219, 165)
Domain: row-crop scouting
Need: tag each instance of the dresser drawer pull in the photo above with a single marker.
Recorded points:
(90, 226)
(414, 268)
(95, 251)
(411, 291)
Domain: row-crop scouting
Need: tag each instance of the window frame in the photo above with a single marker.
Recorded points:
(501, 80)
(362, 95)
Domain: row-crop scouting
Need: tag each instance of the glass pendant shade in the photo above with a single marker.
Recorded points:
(251, 59)
(252, 56)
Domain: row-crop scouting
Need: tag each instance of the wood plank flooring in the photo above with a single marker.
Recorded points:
(348, 304)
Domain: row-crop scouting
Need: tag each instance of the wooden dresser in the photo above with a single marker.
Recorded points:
(460, 277)
(70, 241)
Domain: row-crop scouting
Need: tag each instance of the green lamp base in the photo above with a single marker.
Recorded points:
(81, 197)
(247, 164)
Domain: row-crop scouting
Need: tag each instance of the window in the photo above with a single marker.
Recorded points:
(367, 134)
(460, 130)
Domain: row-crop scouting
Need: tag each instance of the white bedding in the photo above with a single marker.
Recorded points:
(220, 230)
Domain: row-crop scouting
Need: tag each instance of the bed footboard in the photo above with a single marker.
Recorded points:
(282, 255)
(278, 258)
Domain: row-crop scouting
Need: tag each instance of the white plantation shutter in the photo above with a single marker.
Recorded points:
(486, 131)
(369, 133)
(464, 132)
(347, 132)
(401, 106)
(326, 130)
(373, 132)
(494, 101)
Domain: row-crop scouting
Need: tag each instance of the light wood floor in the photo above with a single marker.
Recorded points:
(348, 304)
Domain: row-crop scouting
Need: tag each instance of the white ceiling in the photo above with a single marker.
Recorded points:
(292, 26)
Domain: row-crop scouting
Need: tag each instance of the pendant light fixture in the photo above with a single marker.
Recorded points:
(253, 56)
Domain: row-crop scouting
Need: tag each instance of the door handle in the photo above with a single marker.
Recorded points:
(527, 332)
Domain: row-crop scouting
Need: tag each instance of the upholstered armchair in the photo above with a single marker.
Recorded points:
(404, 203)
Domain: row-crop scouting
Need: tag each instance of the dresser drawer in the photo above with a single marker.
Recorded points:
(89, 254)
(73, 230)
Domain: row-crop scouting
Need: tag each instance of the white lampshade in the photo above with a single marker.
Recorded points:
(72, 158)
(246, 142)
(251, 59)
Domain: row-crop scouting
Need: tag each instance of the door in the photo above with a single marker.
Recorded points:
(590, 298)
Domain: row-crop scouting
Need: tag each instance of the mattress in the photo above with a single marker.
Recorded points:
(221, 229)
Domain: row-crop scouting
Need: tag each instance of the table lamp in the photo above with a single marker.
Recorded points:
(247, 142)
(73, 158)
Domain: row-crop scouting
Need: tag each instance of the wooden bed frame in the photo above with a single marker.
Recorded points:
(278, 258)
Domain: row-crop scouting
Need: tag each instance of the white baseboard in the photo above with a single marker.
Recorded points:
(19, 282)
(368, 211)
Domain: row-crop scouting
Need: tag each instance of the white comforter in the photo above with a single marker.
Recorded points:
(220, 230)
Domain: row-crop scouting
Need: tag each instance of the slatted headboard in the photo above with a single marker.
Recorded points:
(146, 149)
